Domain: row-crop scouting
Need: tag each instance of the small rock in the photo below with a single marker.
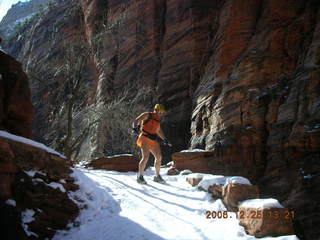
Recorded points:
(216, 191)
(234, 193)
(173, 171)
(194, 181)
(121, 163)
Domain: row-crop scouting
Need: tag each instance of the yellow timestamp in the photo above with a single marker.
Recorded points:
(253, 214)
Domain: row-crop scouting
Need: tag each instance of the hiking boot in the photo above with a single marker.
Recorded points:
(141, 180)
(159, 179)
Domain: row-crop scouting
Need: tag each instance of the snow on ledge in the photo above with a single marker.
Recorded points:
(11, 202)
(56, 186)
(186, 172)
(29, 142)
(261, 203)
(208, 181)
(194, 150)
(32, 173)
(121, 155)
(237, 179)
(27, 217)
(195, 175)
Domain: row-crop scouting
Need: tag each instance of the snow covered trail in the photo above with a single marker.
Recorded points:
(117, 207)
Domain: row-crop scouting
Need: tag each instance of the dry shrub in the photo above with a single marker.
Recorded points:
(118, 116)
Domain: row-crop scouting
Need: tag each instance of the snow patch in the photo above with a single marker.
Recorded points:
(11, 202)
(32, 173)
(37, 180)
(238, 180)
(253, 90)
(195, 175)
(62, 181)
(170, 163)
(208, 181)
(56, 186)
(27, 217)
(114, 206)
(261, 203)
(121, 155)
(185, 172)
(193, 150)
(309, 176)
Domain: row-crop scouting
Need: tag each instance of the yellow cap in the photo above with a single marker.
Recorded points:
(160, 108)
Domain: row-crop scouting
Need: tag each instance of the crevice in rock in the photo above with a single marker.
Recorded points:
(160, 31)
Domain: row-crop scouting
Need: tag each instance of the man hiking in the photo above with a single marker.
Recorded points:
(149, 125)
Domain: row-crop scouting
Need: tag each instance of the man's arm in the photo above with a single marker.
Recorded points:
(163, 137)
(140, 119)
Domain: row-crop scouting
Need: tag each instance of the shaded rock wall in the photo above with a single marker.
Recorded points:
(16, 110)
(42, 47)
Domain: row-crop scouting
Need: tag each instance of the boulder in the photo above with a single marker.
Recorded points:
(262, 222)
(215, 190)
(120, 163)
(173, 171)
(194, 179)
(195, 161)
(234, 193)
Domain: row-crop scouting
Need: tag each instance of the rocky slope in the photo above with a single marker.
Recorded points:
(34, 202)
(240, 78)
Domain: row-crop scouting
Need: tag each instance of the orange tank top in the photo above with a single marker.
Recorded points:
(152, 124)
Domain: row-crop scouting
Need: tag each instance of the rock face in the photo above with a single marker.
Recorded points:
(54, 29)
(16, 110)
(257, 102)
(194, 180)
(195, 161)
(121, 163)
(34, 182)
(234, 193)
(18, 13)
(173, 171)
(210, 162)
(240, 78)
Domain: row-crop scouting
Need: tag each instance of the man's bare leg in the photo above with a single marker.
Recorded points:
(156, 151)
(145, 152)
